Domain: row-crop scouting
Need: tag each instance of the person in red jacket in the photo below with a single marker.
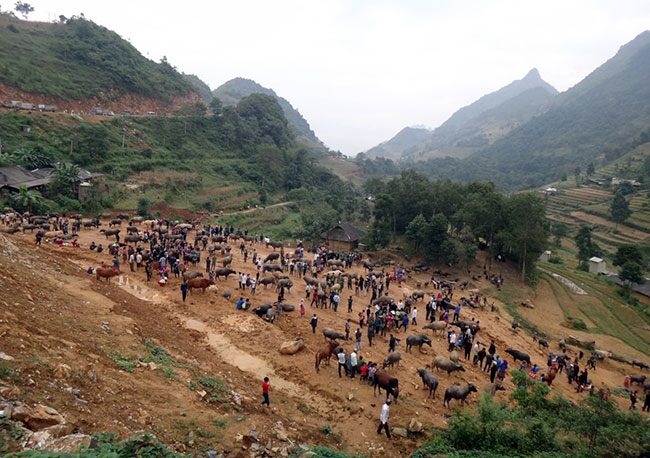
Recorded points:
(265, 391)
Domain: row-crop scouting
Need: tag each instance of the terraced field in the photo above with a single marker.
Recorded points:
(590, 205)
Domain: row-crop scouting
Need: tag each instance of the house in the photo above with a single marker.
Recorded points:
(343, 237)
(13, 177)
(597, 266)
(545, 256)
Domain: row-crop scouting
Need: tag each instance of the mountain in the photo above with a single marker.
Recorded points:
(78, 60)
(479, 124)
(400, 144)
(600, 118)
(200, 87)
(231, 92)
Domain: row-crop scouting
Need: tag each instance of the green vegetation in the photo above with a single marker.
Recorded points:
(217, 390)
(126, 363)
(198, 163)
(78, 59)
(540, 427)
(441, 220)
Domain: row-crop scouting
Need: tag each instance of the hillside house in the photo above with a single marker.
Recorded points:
(545, 256)
(597, 266)
(13, 177)
(343, 237)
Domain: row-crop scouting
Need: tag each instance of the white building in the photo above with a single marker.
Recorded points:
(597, 266)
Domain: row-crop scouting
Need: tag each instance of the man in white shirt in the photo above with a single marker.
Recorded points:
(341, 358)
(414, 316)
(383, 418)
(353, 363)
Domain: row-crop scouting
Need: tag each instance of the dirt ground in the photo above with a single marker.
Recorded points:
(52, 312)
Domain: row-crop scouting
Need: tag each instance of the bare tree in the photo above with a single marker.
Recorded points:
(23, 8)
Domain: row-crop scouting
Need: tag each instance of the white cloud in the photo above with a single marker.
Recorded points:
(360, 70)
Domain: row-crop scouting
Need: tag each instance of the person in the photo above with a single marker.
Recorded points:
(383, 418)
(414, 316)
(265, 391)
(314, 323)
(405, 321)
(184, 288)
(302, 308)
(457, 312)
(494, 367)
(341, 359)
(353, 363)
(240, 303)
(347, 329)
(371, 334)
(633, 399)
(392, 343)
(357, 339)
(646, 403)
(349, 304)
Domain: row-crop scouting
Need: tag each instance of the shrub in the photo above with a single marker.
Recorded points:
(577, 323)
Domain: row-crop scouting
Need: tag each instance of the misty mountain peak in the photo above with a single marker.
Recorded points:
(532, 75)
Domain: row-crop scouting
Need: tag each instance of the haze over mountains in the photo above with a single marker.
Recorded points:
(474, 126)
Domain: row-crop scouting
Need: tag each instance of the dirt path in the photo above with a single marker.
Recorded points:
(254, 209)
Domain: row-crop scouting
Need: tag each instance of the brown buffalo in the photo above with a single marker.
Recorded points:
(106, 272)
(200, 283)
(325, 353)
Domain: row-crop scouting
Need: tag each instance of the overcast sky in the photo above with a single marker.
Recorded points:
(359, 71)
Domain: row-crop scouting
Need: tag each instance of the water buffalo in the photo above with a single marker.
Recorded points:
(272, 257)
(392, 359)
(106, 272)
(429, 381)
(136, 220)
(200, 283)
(190, 275)
(389, 383)
(639, 379)
(543, 343)
(325, 352)
(458, 392)
(440, 362)
(132, 230)
(310, 280)
(274, 245)
(519, 355)
(492, 388)
(417, 295)
(332, 334)
(454, 356)
(267, 281)
(418, 340)
(227, 294)
(223, 273)
(110, 232)
(284, 283)
(641, 364)
(383, 300)
(262, 309)
(115, 222)
(271, 268)
(10, 230)
(436, 326)
(132, 238)
(226, 261)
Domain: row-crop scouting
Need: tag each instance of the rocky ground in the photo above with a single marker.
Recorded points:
(128, 356)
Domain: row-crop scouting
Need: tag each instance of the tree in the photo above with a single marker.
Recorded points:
(525, 235)
(23, 8)
(631, 272)
(628, 253)
(215, 106)
(66, 180)
(26, 199)
(559, 230)
(417, 231)
(468, 254)
(144, 205)
(591, 169)
(587, 248)
(619, 209)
